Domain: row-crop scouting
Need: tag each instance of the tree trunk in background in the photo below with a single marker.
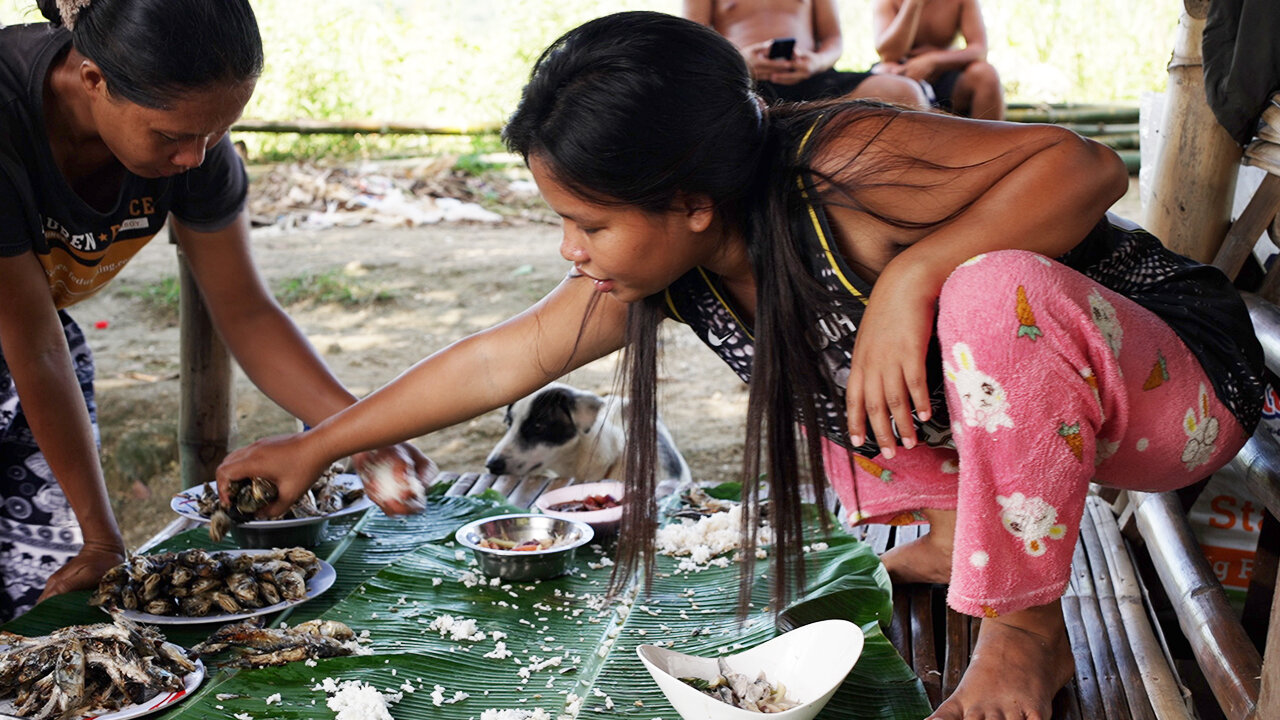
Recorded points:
(204, 406)
(1196, 165)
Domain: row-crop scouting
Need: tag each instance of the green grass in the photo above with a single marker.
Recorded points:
(160, 299)
(449, 63)
(330, 286)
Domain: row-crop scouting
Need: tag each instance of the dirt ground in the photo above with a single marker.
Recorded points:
(440, 283)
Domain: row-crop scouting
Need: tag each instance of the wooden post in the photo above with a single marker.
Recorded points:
(204, 405)
(1196, 164)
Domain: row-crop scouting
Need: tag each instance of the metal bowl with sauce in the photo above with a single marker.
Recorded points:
(563, 536)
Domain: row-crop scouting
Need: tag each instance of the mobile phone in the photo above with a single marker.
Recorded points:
(782, 48)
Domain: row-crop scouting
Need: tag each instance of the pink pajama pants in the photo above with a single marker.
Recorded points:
(1052, 381)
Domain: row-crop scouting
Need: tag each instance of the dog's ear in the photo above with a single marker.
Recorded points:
(585, 410)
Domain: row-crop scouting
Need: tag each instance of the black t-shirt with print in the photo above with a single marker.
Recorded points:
(81, 248)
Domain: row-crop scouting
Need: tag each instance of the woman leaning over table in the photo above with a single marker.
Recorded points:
(112, 115)
(938, 312)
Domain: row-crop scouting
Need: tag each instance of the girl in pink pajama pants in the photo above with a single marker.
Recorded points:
(1052, 381)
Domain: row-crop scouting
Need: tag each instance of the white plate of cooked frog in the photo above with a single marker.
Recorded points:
(108, 671)
(333, 495)
(193, 586)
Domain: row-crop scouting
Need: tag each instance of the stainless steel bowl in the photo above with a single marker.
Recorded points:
(525, 564)
(262, 535)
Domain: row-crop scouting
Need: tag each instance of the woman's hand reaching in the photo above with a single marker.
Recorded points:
(887, 374)
(396, 478)
(84, 570)
(281, 459)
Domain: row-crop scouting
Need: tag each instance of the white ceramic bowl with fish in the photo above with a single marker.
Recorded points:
(809, 662)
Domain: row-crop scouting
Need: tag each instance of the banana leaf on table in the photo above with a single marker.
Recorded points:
(571, 650)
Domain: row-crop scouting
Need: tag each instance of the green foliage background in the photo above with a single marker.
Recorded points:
(463, 62)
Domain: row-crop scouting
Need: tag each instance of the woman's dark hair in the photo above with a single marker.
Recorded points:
(638, 108)
(152, 51)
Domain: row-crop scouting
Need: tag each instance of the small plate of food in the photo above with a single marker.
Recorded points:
(598, 504)
(791, 677)
(199, 586)
(332, 496)
(161, 673)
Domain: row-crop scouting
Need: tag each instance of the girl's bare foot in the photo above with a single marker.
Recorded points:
(928, 559)
(1021, 661)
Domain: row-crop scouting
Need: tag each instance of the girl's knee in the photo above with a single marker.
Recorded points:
(986, 274)
(893, 89)
(990, 291)
(981, 74)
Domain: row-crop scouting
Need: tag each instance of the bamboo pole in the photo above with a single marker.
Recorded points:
(1260, 595)
(1102, 657)
(204, 404)
(360, 127)
(1086, 679)
(1230, 662)
(1258, 464)
(958, 650)
(1247, 228)
(1196, 165)
(1087, 698)
(1269, 696)
(924, 652)
(1163, 691)
(1072, 113)
(1128, 670)
(1266, 324)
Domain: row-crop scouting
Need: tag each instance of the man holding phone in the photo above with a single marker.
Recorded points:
(791, 47)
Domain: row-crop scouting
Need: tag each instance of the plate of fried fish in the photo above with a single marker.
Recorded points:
(333, 495)
(108, 671)
(200, 586)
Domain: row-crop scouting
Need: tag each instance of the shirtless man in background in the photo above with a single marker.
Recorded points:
(809, 74)
(916, 38)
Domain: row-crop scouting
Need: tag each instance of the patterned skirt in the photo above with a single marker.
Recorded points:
(38, 530)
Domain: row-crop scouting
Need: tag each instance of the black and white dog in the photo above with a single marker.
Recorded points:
(575, 433)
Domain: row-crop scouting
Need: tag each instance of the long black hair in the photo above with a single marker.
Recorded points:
(152, 51)
(636, 108)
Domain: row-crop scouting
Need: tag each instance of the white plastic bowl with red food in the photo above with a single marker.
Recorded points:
(598, 504)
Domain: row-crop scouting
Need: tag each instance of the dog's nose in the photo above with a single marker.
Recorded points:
(496, 465)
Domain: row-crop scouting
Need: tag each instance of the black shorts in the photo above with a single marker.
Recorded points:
(944, 86)
(823, 86)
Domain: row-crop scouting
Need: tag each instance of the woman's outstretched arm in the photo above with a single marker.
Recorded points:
(472, 376)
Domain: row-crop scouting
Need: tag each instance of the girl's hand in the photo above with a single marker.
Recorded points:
(763, 67)
(920, 67)
(396, 477)
(83, 571)
(799, 67)
(283, 460)
(887, 374)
